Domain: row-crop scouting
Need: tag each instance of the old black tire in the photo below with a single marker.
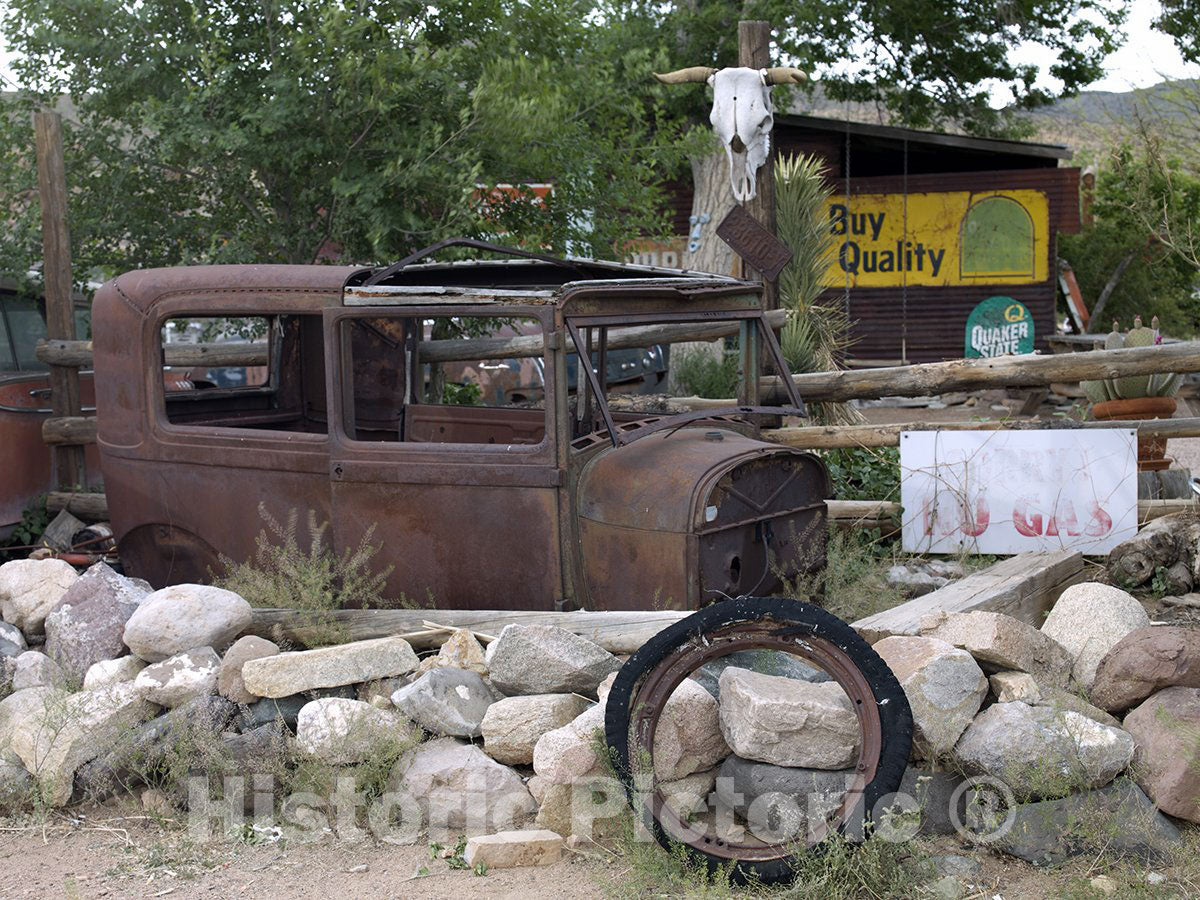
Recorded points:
(895, 714)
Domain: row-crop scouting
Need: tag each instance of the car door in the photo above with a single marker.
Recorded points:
(460, 497)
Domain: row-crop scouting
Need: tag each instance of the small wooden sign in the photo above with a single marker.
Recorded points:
(754, 243)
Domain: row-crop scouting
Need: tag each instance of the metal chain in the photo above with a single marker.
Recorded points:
(846, 232)
(904, 269)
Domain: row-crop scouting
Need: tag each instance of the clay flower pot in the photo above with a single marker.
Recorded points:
(1151, 451)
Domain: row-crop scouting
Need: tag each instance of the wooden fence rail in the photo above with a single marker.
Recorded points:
(243, 353)
(831, 437)
(1031, 370)
(840, 513)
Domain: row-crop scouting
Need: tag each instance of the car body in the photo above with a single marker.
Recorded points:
(25, 459)
(571, 505)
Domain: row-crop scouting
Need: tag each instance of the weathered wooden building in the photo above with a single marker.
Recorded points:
(928, 226)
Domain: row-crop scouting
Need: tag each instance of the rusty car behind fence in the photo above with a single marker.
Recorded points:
(566, 504)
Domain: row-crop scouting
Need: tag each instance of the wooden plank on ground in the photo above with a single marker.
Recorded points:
(90, 507)
(1021, 586)
(616, 632)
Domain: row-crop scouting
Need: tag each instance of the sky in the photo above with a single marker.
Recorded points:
(1147, 57)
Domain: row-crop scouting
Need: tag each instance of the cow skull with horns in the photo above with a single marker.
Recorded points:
(741, 115)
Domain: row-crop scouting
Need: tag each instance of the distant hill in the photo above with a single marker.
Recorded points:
(1090, 122)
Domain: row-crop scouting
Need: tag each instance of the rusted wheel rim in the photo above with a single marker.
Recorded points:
(656, 688)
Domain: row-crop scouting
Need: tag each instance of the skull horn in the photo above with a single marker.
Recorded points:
(784, 75)
(691, 74)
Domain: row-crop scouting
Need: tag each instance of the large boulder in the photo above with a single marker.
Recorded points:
(1089, 620)
(112, 671)
(446, 701)
(545, 659)
(688, 738)
(939, 796)
(512, 726)
(229, 679)
(460, 651)
(12, 641)
(766, 662)
(185, 616)
(461, 789)
(1010, 686)
(788, 722)
(16, 787)
(285, 711)
(35, 669)
(54, 733)
(780, 803)
(344, 732)
(591, 809)
(88, 624)
(8, 668)
(30, 589)
(690, 795)
(1116, 821)
(1145, 661)
(1040, 751)
(182, 677)
(1002, 643)
(328, 667)
(252, 756)
(157, 748)
(1166, 729)
(944, 686)
(570, 754)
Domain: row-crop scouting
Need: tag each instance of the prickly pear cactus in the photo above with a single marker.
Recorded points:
(1131, 386)
(1103, 390)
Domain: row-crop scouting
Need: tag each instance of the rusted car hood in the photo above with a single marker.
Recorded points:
(658, 482)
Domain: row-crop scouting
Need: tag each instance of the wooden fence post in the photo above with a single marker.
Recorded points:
(56, 273)
(754, 52)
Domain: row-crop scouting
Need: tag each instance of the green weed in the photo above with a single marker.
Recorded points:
(702, 373)
(313, 582)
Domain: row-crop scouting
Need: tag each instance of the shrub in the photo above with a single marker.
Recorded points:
(864, 473)
(316, 581)
(700, 373)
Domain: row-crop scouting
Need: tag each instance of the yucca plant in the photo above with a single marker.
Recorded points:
(815, 335)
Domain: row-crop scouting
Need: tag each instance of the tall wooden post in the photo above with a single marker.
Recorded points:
(754, 52)
(56, 273)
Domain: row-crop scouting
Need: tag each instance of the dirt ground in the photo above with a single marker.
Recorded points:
(117, 852)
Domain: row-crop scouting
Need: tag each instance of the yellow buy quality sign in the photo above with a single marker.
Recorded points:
(939, 239)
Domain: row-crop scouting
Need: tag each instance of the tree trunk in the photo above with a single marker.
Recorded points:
(711, 198)
(1160, 544)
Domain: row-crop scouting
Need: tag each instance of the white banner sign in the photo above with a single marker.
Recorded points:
(1007, 492)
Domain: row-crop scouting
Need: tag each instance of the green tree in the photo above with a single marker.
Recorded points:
(1126, 257)
(294, 130)
(1181, 20)
(928, 62)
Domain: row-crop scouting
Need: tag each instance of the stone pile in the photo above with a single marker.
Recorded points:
(122, 677)
(1097, 710)
(102, 679)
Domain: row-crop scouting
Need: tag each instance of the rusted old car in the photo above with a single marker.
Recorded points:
(25, 466)
(573, 504)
